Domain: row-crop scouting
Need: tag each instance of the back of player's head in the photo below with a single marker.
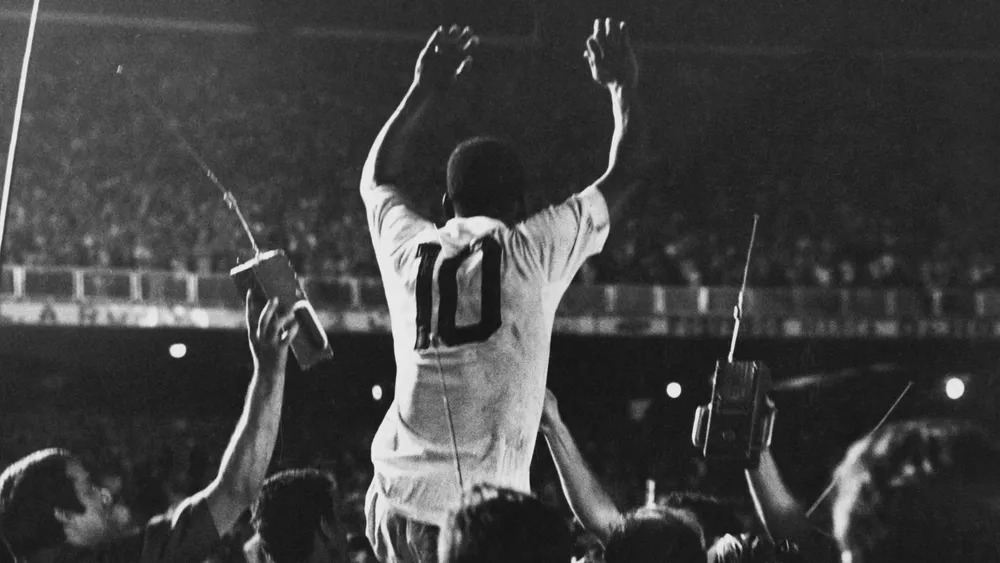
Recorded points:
(717, 517)
(498, 525)
(920, 491)
(289, 510)
(485, 177)
(31, 489)
(656, 534)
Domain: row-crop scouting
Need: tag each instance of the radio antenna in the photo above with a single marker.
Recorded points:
(738, 309)
(227, 196)
(833, 482)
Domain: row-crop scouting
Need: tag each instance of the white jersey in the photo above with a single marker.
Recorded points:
(473, 303)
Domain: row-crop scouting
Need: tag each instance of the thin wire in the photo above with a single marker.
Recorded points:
(738, 310)
(227, 195)
(9, 171)
(451, 423)
(829, 488)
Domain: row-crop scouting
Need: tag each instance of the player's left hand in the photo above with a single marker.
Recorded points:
(610, 54)
(446, 56)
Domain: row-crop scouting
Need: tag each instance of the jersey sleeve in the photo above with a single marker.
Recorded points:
(558, 239)
(392, 223)
(190, 536)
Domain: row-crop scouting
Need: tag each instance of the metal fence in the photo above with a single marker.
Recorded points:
(87, 284)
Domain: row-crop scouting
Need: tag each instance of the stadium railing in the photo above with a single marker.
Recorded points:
(349, 293)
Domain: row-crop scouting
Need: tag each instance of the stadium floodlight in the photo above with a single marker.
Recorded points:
(178, 350)
(954, 387)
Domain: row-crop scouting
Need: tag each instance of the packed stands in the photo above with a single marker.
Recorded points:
(866, 172)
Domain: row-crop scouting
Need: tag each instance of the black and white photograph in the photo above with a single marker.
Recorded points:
(511, 281)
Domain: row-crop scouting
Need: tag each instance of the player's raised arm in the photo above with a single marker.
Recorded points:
(442, 61)
(613, 65)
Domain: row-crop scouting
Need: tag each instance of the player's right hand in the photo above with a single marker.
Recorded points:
(610, 55)
(446, 56)
(270, 331)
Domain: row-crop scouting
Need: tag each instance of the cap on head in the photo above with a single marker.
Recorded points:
(485, 177)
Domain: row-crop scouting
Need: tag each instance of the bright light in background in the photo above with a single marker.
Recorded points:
(377, 392)
(954, 388)
(674, 389)
(178, 350)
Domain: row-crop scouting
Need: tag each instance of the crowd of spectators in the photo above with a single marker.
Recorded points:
(865, 174)
(151, 463)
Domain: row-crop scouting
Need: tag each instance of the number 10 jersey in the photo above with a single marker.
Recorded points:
(472, 306)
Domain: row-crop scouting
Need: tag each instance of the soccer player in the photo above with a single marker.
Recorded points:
(51, 510)
(472, 303)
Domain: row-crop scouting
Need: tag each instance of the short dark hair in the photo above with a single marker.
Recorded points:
(716, 516)
(924, 490)
(30, 491)
(656, 534)
(289, 509)
(485, 177)
(501, 525)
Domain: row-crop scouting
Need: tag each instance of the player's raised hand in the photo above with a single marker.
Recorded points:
(610, 55)
(446, 56)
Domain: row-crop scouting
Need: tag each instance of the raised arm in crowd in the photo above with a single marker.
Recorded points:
(51, 510)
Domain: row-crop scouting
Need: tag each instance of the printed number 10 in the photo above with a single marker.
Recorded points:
(490, 317)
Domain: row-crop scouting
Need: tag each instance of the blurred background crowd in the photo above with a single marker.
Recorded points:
(867, 172)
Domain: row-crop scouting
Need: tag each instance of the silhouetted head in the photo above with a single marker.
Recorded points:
(295, 516)
(48, 498)
(500, 526)
(654, 535)
(717, 517)
(485, 177)
(919, 491)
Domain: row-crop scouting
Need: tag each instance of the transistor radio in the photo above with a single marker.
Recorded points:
(737, 424)
(270, 275)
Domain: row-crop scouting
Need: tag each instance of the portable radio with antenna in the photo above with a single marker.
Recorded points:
(268, 274)
(737, 424)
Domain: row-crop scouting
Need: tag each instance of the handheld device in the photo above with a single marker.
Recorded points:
(268, 274)
(737, 424)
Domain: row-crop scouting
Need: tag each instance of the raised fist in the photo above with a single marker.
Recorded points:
(610, 56)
